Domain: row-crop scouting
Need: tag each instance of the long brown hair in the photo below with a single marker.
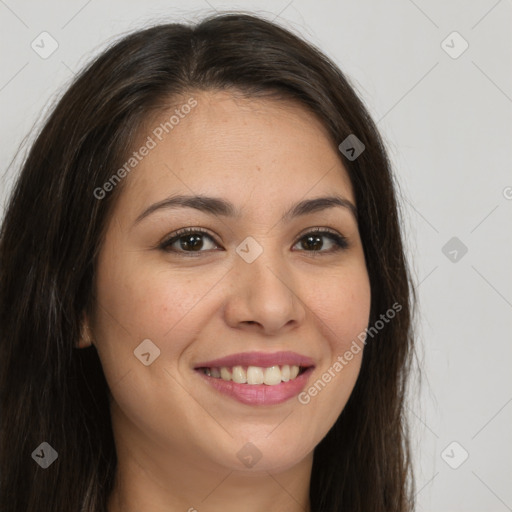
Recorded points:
(52, 232)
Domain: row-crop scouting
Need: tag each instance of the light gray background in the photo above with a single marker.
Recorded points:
(447, 123)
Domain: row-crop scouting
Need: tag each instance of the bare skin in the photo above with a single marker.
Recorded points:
(176, 436)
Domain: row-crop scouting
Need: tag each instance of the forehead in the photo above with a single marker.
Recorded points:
(239, 148)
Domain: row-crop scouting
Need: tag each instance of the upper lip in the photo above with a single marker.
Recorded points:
(262, 359)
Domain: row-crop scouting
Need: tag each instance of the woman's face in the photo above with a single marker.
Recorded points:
(255, 282)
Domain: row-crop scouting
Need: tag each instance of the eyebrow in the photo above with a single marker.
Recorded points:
(217, 206)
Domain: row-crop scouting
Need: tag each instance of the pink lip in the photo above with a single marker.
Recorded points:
(262, 359)
(259, 394)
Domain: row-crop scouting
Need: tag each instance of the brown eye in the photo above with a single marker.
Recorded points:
(188, 240)
(314, 241)
(195, 240)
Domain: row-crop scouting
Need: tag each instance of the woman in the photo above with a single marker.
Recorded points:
(204, 300)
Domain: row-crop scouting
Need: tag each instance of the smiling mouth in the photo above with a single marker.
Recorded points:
(255, 375)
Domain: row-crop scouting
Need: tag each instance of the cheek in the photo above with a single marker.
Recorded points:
(139, 301)
(341, 310)
(147, 299)
(342, 307)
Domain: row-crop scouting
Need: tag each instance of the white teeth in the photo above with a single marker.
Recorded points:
(225, 374)
(285, 373)
(272, 376)
(239, 375)
(254, 375)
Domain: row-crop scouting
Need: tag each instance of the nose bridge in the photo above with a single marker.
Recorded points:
(263, 289)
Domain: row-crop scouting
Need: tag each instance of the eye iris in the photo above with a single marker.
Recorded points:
(315, 240)
(192, 242)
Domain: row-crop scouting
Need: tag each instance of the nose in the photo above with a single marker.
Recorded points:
(263, 296)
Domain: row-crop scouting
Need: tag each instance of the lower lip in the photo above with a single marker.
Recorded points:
(260, 394)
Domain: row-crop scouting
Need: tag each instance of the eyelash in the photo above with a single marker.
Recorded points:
(340, 241)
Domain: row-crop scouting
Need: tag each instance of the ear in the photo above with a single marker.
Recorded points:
(85, 333)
